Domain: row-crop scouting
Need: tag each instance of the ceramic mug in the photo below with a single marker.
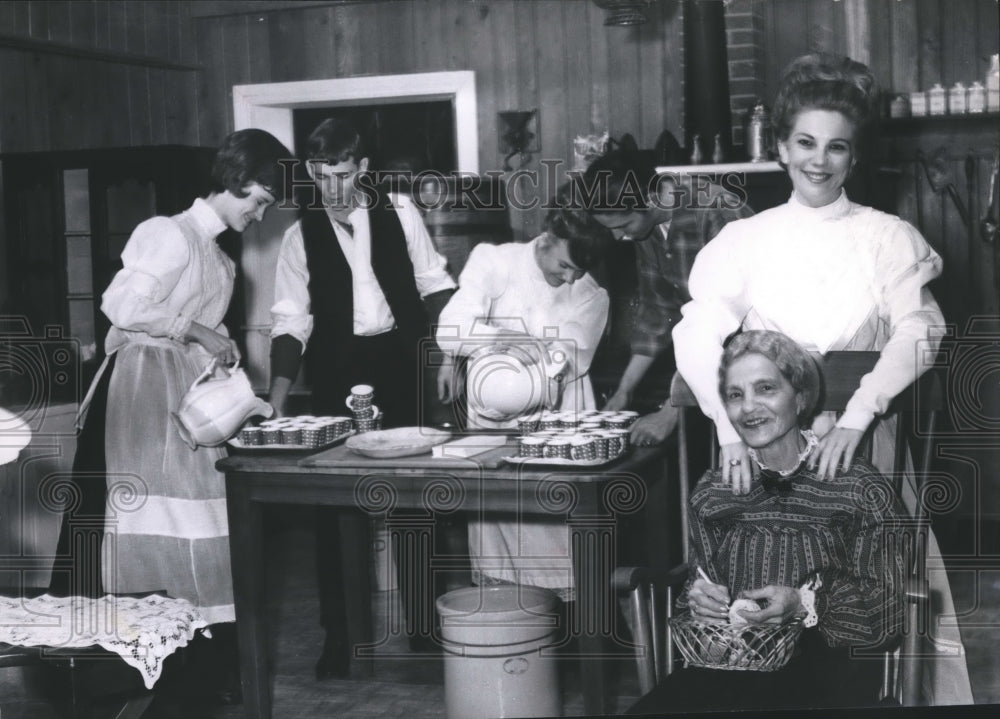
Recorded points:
(369, 412)
(356, 403)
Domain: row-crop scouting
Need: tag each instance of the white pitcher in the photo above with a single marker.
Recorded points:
(216, 407)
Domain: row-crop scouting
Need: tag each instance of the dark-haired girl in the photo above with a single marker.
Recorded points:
(166, 527)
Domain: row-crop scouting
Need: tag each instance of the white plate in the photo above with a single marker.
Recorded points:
(398, 442)
(235, 442)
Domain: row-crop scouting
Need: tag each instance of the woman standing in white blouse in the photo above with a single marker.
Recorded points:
(166, 507)
(830, 274)
(538, 291)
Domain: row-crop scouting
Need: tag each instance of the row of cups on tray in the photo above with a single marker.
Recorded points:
(305, 430)
(584, 446)
(584, 421)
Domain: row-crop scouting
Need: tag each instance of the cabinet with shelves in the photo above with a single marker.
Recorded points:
(66, 218)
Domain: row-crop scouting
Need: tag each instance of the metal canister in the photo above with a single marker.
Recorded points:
(758, 133)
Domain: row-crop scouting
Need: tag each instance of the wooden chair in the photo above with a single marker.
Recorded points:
(652, 592)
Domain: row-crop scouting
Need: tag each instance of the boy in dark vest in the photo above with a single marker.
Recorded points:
(358, 282)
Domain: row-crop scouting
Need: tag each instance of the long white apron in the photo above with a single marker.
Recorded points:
(163, 534)
(529, 550)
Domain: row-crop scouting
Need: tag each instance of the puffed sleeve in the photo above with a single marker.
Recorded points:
(290, 313)
(430, 270)
(464, 322)
(154, 259)
(861, 602)
(717, 308)
(904, 264)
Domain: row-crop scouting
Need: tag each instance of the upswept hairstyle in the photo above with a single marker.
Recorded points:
(620, 180)
(587, 240)
(247, 156)
(794, 363)
(335, 140)
(827, 82)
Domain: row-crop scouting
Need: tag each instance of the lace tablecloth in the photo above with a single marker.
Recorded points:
(144, 631)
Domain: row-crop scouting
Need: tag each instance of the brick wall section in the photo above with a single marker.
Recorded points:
(745, 47)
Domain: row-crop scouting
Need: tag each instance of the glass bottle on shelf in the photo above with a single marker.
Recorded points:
(696, 156)
(717, 154)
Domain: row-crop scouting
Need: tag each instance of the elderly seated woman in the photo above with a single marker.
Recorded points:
(796, 545)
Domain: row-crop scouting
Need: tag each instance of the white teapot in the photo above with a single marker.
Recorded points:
(216, 407)
(502, 384)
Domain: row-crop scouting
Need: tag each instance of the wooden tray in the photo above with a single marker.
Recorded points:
(341, 457)
(235, 443)
(560, 462)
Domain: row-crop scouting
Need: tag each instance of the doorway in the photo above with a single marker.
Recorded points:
(277, 107)
(406, 137)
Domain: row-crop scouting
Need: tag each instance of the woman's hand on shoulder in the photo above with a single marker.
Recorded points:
(781, 604)
(835, 449)
(734, 462)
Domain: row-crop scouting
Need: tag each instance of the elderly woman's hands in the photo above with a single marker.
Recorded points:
(708, 600)
(734, 461)
(783, 603)
(835, 449)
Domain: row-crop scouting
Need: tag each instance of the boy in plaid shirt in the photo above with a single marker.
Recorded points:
(669, 218)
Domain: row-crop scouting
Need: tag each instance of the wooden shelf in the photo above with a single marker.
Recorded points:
(987, 120)
(723, 167)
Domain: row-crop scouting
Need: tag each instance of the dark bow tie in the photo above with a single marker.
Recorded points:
(774, 483)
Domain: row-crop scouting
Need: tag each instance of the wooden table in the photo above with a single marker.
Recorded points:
(591, 500)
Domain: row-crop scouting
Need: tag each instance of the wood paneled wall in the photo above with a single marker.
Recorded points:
(970, 283)
(909, 44)
(554, 55)
(78, 74)
(99, 73)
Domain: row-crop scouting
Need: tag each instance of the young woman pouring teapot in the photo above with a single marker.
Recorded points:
(165, 505)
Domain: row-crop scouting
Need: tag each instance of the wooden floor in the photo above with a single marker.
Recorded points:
(412, 687)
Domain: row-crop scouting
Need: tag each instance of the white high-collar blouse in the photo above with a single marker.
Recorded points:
(839, 277)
